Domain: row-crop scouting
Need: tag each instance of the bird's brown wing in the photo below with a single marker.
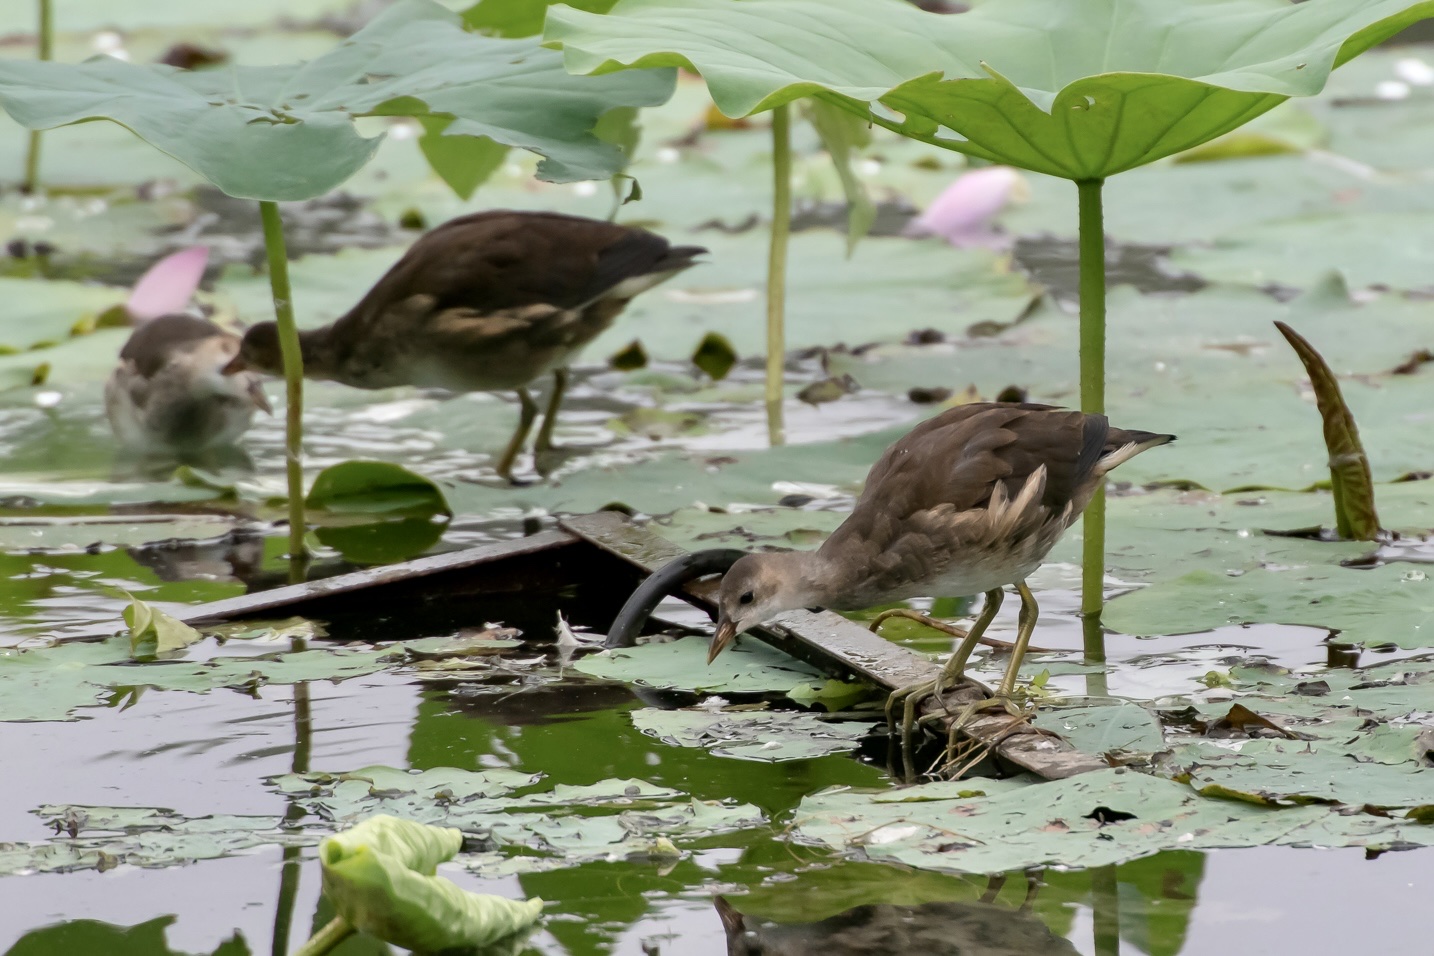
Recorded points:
(496, 260)
(953, 463)
(461, 330)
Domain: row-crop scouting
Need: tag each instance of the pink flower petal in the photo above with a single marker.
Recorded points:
(168, 285)
(963, 212)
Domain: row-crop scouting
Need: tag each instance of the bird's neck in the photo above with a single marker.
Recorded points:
(813, 579)
(317, 348)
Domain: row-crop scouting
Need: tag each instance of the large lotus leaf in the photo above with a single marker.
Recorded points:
(1206, 562)
(1080, 90)
(1089, 820)
(286, 132)
(1374, 249)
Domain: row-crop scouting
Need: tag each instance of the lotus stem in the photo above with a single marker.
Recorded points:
(1092, 402)
(46, 52)
(336, 931)
(1105, 910)
(293, 381)
(777, 269)
(289, 873)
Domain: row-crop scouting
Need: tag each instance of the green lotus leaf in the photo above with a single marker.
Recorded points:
(380, 877)
(286, 132)
(147, 623)
(1080, 89)
(375, 488)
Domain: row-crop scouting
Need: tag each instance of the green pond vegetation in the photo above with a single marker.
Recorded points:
(1262, 688)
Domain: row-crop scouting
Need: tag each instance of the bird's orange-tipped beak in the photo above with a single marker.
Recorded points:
(257, 396)
(726, 633)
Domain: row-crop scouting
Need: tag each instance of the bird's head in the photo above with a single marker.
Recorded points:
(757, 588)
(258, 351)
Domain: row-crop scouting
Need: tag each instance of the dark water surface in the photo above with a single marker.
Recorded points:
(215, 754)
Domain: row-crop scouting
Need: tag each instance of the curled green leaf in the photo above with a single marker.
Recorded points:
(380, 878)
(1350, 478)
(148, 623)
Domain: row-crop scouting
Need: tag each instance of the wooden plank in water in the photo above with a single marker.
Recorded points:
(838, 647)
(446, 564)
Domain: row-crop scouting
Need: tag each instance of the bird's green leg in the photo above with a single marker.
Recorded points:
(550, 417)
(910, 696)
(527, 412)
(1026, 625)
(956, 667)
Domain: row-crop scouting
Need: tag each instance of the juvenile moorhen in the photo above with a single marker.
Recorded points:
(967, 502)
(484, 303)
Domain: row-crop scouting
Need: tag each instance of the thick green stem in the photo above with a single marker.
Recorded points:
(1105, 910)
(338, 930)
(777, 269)
(1092, 402)
(46, 52)
(293, 380)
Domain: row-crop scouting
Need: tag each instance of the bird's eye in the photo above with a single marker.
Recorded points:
(746, 598)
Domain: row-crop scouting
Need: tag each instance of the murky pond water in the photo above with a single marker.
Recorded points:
(224, 751)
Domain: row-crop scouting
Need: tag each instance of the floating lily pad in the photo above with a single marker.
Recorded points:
(564, 825)
(51, 683)
(104, 837)
(149, 627)
(1109, 727)
(750, 667)
(752, 735)
(1093, 819)
(374, 488)
(1207, 564)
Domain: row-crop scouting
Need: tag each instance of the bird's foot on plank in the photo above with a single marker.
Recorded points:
(911, 728)
(907, 698)
(961, 755)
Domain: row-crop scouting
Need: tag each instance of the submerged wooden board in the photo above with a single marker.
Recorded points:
(287, 598)
(838, 647)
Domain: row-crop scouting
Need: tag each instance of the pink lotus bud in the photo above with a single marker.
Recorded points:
(963, 212)
(168, 285)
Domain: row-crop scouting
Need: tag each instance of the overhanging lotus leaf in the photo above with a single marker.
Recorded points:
(1080, 89)
(286, 132)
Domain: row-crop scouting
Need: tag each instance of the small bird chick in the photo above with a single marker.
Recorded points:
(169, 396)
